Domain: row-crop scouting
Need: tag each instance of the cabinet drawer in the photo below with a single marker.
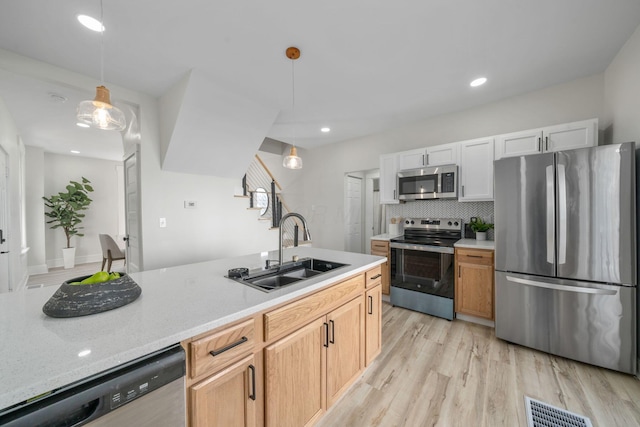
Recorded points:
(214, 351)
(379, 246)
(294, 315)
(475, 256)
(373, 277)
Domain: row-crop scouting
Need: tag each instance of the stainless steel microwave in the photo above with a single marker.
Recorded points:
(439, 182)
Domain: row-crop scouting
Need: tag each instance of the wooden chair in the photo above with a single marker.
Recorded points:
(110, 251)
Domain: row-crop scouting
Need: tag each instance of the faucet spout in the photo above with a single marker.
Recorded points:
(307, 233)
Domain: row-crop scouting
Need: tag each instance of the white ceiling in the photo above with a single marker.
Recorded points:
(366, 65)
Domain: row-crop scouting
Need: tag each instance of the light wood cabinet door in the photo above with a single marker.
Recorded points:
(226, 399)
(474, 283)
(295, 377)
(345, 353)
(373, 324)
(381, 248)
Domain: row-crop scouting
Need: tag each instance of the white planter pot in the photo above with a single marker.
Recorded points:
(69, 256)
(481, 235)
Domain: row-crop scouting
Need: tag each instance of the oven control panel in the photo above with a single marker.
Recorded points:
(434, 223)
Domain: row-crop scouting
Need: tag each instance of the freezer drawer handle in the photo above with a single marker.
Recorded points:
(552, 286)
(229, 347)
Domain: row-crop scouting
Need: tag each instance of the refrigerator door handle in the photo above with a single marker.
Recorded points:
(558, 287)
(550, 216)
(562, 215)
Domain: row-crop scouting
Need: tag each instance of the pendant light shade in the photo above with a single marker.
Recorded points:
(100, 113)
(292, 161)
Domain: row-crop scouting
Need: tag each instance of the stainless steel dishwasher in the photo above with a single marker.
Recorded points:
(149, 391)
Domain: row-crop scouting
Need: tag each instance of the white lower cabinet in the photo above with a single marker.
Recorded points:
(476, 170)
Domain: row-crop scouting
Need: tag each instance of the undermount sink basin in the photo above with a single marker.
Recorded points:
(287, 274)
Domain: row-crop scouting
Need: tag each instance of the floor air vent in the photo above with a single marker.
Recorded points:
(540, 414)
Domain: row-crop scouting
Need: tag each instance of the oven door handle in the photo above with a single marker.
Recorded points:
(423, 248)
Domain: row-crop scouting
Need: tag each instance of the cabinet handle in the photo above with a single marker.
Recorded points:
(229, 347)
(474, 256)
(377, 276)
(394, 194)
(539, 144)
(333, 332)
(546, 143)
(370, 304)
(463, 191)
(427, 160)
(252, 395)
(326, 334)
(423, 163)
(459, 273)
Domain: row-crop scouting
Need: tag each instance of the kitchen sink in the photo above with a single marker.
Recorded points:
(277, 277)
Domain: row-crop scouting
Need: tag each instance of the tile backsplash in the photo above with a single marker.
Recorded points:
(442, 209)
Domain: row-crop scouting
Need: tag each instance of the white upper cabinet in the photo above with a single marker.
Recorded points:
(571, 135)
(412, 159)
(476, 170)
(443, 154)
(552, 138)
(388, 176)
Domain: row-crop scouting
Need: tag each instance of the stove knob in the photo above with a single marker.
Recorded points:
(449, 223)
(455, 223)
(406, 222)
(412, 222)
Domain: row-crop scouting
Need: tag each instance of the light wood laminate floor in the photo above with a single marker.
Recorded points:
(433, 372)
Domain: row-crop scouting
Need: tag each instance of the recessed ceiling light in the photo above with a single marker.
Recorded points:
(325, 130)
(478, 82)
(75, 151)
(91, 23)
(82, 125)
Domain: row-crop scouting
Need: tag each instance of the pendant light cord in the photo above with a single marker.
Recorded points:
(293, 98)
(101, 45)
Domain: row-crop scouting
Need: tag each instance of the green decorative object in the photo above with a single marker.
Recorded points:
(479, 225)
(65, 208)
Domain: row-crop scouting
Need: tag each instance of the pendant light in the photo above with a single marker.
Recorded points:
(99, 113)
(292, 161)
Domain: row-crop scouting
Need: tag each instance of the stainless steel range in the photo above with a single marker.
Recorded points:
(422, 265)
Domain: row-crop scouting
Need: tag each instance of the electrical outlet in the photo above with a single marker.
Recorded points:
(163, 222)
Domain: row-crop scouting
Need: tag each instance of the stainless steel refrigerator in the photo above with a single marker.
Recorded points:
(565, 232)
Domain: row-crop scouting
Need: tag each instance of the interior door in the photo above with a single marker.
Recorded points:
(353, 214)
(5, 283)
(133, 218)
(596, 214)
(525, 214)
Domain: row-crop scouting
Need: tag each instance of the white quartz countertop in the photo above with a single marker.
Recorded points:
(475, 244)
(384, 236)
(40, 353)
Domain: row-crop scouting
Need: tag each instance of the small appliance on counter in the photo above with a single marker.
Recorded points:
(422, 276)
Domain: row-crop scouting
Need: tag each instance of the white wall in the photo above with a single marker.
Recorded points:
(35, 219)
(325, 166)
(622, 93)
(12, 145)
(102, 215)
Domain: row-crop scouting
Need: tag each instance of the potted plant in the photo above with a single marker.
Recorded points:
(480, 228)
(65, 211)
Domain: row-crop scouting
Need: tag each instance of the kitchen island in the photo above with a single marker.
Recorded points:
(40, 353)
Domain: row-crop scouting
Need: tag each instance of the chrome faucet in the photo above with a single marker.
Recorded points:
(307, 234)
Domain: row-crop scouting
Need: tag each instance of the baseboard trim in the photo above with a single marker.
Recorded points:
(474, 319)
(37, 269)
